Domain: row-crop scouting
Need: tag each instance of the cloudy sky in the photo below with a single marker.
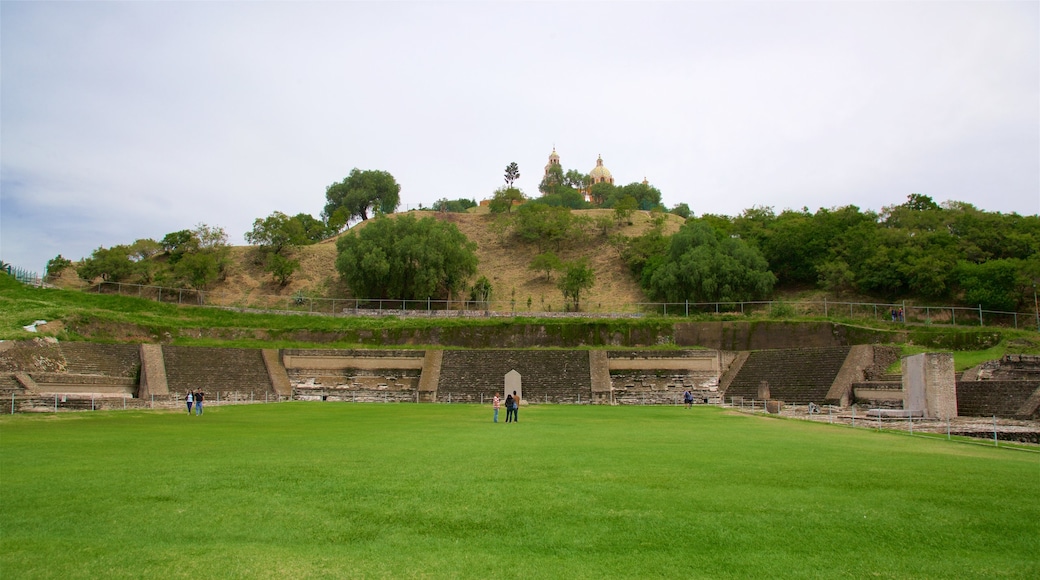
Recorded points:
(131, 120)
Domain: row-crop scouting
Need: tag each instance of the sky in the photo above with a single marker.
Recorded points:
(129, 120)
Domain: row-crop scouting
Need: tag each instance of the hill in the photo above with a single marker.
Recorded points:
(501, 259)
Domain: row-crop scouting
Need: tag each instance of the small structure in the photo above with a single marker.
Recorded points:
(930, 385)
(512, 383)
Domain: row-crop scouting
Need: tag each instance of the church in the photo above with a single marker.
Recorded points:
(599, 173)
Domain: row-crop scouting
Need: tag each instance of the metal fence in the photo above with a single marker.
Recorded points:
(897, 312)
(22, 275)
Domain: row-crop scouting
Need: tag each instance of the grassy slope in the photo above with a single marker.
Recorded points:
(341, 490)
(502, 261)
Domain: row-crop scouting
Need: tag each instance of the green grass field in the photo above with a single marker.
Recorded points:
(298, 490)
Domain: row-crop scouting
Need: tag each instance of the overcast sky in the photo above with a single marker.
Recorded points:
(121, 121)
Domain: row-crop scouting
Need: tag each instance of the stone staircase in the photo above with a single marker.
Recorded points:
(556, 376)
(224, 372)
(797, 376)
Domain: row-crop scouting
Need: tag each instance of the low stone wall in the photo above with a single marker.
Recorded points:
(1008, 399)
(878, 395)
(661, 377)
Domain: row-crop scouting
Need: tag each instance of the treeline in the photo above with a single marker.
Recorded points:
(952, 252)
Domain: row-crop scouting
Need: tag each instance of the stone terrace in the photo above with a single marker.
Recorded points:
(216, 370)
(1008, 399)
(799, 375)
(561, 376)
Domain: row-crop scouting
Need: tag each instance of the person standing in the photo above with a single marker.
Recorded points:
(509, 408)
(687, 397)
(189, 400)
(496, 402)
(516, 407)
(199, 397)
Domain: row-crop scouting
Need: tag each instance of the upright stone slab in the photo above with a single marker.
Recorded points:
(513, 384)
(930, 385)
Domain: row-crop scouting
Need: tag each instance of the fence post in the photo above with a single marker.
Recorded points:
(825, 307)
(55, 403)
(910, 416)
(12, 403)
(980, 315)
(853, 416)
(995, 444)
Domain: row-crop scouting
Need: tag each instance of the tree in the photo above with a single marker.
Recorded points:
(682, 210)
(504, 199)
(405, 259)
(577, 180)
(281, 267)
(57, 265)
(552, 181)
(480, 292)
(359, 193)
(543, 225)
(577, 277)
(512, 174)
(546, 262)
(197, 257)
(453, 206)
(110, 264)
(703, 264)
(624, 209)
(277, 233)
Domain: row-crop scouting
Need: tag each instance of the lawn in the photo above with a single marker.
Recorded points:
(296, 490)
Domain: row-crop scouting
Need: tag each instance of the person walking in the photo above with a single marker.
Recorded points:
(516, 407)
(199, 397)
(496, 402)
(189, 399)
(509, 408)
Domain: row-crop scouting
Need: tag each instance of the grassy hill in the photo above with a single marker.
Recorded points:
(501, 259)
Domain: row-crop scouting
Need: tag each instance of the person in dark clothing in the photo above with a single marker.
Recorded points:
(509, 408)
(199, 397)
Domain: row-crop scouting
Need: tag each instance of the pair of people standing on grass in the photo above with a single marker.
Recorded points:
(195, 397)
(512, 406)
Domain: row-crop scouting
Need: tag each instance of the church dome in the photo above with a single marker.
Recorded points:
(600, 173)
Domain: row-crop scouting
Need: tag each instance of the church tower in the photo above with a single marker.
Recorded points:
(554, 159)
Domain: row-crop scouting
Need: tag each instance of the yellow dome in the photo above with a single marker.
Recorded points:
(600, 173)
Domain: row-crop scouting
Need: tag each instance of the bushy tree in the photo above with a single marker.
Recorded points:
(504, 199)
(57, 265)
(543, 225)
(406, 259)
(110, 264)
(702, 264)
(195, 258)
(682, 210)
(453, 206)
(276, 233)
(577, 277)
(480, 293)
(358, 194)
(546, 262)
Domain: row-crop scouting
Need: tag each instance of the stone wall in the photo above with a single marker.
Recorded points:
(800, 375)
(555, 376)
(1008, 399)
(354, 374)
(217, 371)
(661, 377)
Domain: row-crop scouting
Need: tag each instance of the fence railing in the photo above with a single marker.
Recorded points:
(22, 275)
(55, 402)
(897, 312)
